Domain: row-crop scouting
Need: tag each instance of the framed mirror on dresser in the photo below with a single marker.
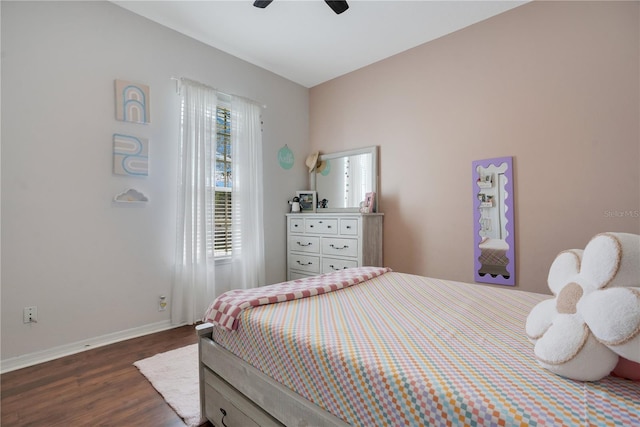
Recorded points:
(343, 179)
(338, 235)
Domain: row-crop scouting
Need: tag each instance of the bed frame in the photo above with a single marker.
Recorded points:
(232, 392)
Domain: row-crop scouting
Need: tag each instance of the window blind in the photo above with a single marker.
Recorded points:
(223, 239)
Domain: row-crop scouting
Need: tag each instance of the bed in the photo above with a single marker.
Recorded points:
(493, 257)
(394, 349)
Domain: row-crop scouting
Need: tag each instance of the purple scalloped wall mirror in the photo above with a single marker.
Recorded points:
(493, 226)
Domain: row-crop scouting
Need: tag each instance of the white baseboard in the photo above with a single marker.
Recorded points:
(37, 357)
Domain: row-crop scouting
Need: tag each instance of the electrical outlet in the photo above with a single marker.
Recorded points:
(30, 314)
(162, 303)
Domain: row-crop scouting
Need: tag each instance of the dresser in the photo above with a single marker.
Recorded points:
(324, 242)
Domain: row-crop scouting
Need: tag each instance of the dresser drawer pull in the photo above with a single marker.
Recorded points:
(335, 247)
(333, 267)
(309, 263)
(348, 227)
(302, 244)
(328, 226)
(295, 225)
(224, 414)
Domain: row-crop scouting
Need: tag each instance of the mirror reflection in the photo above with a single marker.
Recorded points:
(344, 178)
(493, 221)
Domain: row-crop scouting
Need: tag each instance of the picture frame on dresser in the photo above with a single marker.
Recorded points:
(308, 201)
(370, 202)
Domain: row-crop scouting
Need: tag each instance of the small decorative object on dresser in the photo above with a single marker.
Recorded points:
(368, 205)
(295, 205)
(321, 243)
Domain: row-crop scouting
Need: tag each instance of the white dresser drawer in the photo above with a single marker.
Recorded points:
(321, 226)
(331, 264)
(306, 263)
(296, 225)
(340, 247)
(349, 227)
(295, 275)
(304, 244)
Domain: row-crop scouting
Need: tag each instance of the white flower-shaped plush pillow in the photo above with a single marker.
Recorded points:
(594, 319)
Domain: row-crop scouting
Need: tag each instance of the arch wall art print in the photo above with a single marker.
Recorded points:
(130, 155)
(132, 102)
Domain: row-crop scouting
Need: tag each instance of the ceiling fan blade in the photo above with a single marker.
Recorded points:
(337, 6)
(262, 3)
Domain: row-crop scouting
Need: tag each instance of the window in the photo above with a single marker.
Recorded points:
(222, 236)
(230, 196)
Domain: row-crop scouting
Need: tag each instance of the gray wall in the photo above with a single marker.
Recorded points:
(94, 269)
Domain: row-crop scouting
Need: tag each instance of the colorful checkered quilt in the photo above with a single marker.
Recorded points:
(405, 350)
(225, 309)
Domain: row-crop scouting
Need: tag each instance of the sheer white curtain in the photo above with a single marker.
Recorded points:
(194, 278)
(247, 194)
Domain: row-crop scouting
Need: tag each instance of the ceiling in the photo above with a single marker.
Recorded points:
(305, 41)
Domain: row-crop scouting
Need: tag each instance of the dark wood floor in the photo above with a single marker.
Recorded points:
(95, 387)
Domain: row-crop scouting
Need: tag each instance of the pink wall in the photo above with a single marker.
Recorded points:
(553, 84)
